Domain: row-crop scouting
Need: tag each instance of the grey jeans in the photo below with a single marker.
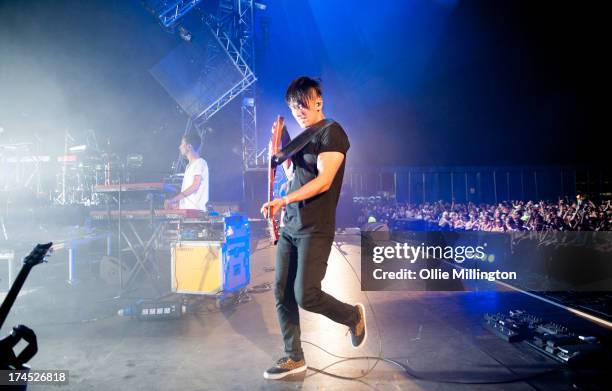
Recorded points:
(301, 264)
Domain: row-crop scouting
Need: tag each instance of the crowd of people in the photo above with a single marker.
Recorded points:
(563, 215)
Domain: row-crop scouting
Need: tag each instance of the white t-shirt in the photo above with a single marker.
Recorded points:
(199, 198)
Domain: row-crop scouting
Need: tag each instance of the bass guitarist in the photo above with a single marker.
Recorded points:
(315, 178)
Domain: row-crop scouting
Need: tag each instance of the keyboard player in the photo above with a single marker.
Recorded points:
(194, 190)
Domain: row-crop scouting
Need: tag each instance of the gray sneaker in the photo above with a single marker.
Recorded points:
(284, 367)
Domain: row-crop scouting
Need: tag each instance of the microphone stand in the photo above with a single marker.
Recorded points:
(119, 257)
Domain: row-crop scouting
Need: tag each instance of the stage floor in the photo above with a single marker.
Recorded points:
(437, 334)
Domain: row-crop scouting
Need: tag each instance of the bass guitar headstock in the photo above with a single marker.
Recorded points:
(38, 254)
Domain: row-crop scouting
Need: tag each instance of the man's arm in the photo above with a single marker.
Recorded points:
(197, 180)
(328, 164)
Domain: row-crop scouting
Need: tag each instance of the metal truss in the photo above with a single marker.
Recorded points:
(249, 106)
(248, 77)
(249, 131)
(174, 10)
(239, 56)
(233, 29)
(235, 19)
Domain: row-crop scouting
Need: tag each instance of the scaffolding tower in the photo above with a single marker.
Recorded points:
(232, 29)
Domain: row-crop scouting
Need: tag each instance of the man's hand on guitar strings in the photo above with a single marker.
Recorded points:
(275, 206)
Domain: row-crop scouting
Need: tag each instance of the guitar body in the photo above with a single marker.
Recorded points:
(273, 148)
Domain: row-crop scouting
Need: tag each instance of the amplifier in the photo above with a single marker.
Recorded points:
(209, 267)
(211, 256)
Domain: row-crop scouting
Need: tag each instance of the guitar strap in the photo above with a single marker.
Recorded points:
(298, 143)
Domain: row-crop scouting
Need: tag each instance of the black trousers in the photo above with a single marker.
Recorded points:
(301, 264)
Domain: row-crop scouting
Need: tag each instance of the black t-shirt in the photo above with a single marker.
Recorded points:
(316, 215)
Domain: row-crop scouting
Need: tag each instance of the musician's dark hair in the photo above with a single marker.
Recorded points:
(300, 90)
(194, 139)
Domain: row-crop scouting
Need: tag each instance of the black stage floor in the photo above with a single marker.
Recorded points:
(438, 335)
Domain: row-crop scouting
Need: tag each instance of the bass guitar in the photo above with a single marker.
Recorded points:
(8, 358)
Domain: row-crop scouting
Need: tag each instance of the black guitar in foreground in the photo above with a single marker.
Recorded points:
(8, 359)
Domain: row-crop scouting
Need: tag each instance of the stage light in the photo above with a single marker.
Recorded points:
(78, 148)
(185, 34)
(260, 6)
